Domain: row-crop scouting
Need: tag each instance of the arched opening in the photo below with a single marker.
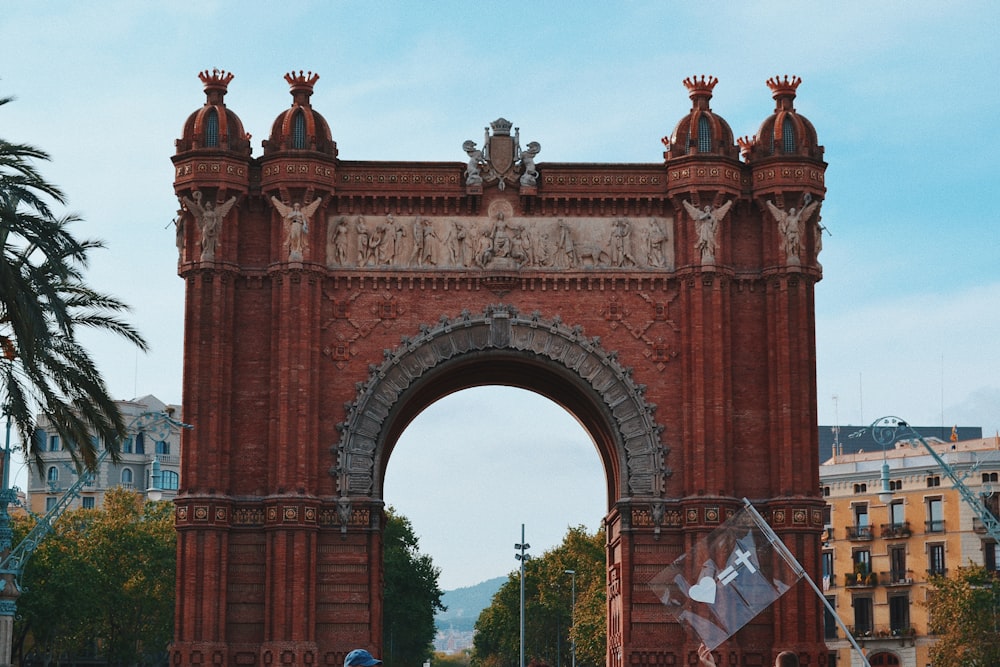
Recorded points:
(488, 459)
(883, 659)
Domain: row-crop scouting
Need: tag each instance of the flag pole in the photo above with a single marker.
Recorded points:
(780, 547)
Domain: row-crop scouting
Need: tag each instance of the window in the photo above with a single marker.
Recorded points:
(127, 478)
(933, 480)
(827, 515)
(829, 621)
(861, 514)
(41, 439)
(935, 560)
(162, 447)
(788, 137)
(299, 130)
(826, 491)
(896, 514)
(991, 556)
(88, 502)
(169, 480)
(862, 615)
(860, 488)
(212, 128)
(990, 477)
(140, 443)
(52, 476)
(704, 135)
(54, 445)
(897, 564)
(895, 485)
(899, 614)
(827, 569)
(935, 515)
(50, 502)
(128, 445)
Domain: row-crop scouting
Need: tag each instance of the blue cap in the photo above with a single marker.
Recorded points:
(360, 658)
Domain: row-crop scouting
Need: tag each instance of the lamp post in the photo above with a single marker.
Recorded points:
(523, 557)
(154, 492)
(572, 627)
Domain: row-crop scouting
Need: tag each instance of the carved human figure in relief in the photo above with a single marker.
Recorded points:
(296, 219)
(790, 227)
(707, 222)
(484, 249)
(659, 251)
(529, 176)
(621, 253)
(473, 176)
(455, 242)
(565, 250)
(336, 243)
(376, 244)
(209, 218)
(361, 230)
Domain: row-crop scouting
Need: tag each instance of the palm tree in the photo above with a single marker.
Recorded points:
(44, 301)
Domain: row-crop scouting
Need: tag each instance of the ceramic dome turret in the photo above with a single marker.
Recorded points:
(300, 127)
(214, 127)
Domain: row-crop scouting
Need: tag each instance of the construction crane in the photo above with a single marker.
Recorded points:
(888, 430)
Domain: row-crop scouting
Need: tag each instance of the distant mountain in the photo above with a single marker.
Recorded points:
(464, 605)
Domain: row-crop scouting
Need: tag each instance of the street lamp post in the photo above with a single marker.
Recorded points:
(572, 627)
(523, 557)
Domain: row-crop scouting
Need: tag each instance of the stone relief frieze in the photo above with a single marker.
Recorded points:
(500, 241)
(501, 327)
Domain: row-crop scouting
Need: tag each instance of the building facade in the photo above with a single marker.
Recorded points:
(150, 437)
(669, 306)
(880, 549)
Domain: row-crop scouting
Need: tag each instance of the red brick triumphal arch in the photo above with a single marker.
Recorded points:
(668, 306)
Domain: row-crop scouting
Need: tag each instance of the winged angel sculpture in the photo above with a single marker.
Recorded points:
(707, 221)
(209, 217)
(296, 225)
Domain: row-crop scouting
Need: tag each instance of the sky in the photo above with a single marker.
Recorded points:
(904, 97)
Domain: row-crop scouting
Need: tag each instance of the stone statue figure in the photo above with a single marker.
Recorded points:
(707, 221)
(336, 243)
(621, 254)
(790, 227)
(659, 246)
(364, 248)
(529, 176)
(473, 176)
(209, 217)
(565, 248)
(296, 220)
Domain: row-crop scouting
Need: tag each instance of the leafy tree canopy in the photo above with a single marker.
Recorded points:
(411, 596)
(964, 613)
(44, 302)
(551, 623)
(102, 583)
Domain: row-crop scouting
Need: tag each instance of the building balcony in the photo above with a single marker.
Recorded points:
(935, 526)
(978, 526)
(893, 531)
(937, 572)
(858, 580)
(859, 533)
(827, 534)
(896, 578)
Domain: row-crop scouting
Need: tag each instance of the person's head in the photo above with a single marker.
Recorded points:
(360, 658)
(786, 659)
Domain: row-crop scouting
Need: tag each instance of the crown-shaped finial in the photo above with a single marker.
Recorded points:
(700, 86)
(301, 81)
(501, 127)
(747, 144)
(783, 87)
(217, 79)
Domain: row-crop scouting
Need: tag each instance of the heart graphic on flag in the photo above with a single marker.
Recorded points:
(703, 591)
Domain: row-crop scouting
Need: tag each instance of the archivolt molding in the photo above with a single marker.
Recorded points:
(501, 327)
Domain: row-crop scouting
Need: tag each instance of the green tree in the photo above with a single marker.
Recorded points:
(550, 621)
(964, 613)
(103, 583)
(412, 596)
(44, 302)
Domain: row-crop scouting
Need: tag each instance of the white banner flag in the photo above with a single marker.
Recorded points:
(730, 576)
